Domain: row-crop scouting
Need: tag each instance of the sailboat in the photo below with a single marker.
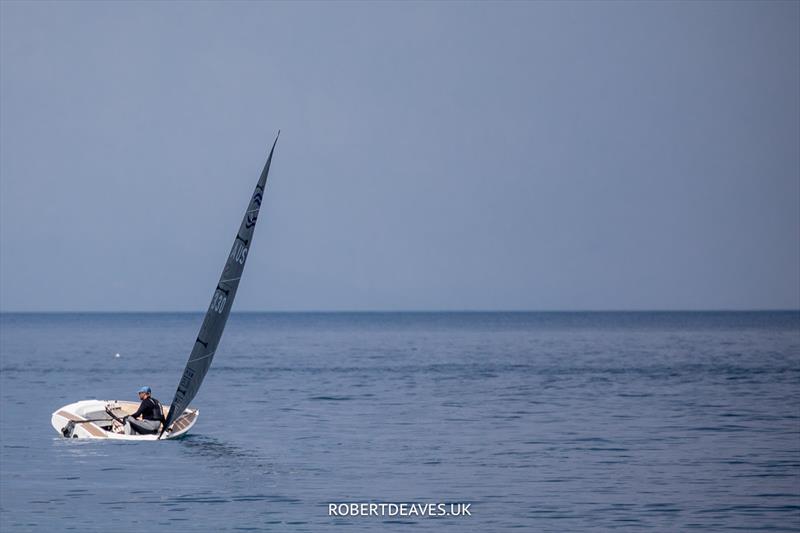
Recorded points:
(95, 419)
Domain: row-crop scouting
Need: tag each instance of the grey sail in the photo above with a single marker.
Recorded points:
(214, 322)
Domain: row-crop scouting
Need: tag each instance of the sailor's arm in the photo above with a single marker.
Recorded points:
(140, 410)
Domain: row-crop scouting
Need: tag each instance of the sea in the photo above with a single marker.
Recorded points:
(562, 421)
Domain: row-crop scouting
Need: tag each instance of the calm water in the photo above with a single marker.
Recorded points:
(544, 421)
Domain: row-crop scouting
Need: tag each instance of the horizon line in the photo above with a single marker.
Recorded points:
(414, 311)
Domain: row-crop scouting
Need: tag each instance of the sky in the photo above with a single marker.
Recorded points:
(433, 156)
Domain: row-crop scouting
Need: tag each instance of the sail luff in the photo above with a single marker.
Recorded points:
(208, 338)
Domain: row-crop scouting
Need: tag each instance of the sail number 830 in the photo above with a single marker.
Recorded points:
(218, 301)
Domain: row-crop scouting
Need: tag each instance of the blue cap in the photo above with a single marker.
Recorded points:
(144, 389)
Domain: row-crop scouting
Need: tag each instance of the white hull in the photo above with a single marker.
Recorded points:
(95, 409)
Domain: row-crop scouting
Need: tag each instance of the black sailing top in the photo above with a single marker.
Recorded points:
(150, 409)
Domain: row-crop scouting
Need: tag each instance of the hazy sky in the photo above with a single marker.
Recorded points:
(432, 155)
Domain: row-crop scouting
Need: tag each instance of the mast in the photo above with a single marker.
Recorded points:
(217, 315)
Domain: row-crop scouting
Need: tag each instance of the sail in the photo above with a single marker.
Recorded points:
(217, 315)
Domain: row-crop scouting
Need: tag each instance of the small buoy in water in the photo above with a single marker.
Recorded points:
(117, 355)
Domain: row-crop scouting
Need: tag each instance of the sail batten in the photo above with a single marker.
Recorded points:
(208, 338)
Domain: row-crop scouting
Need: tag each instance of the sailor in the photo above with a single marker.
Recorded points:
(151, 415)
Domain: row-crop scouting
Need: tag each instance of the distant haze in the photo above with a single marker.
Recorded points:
(432, 155)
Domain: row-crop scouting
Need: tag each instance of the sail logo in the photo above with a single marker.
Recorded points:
(239, 253)
(251, 220)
